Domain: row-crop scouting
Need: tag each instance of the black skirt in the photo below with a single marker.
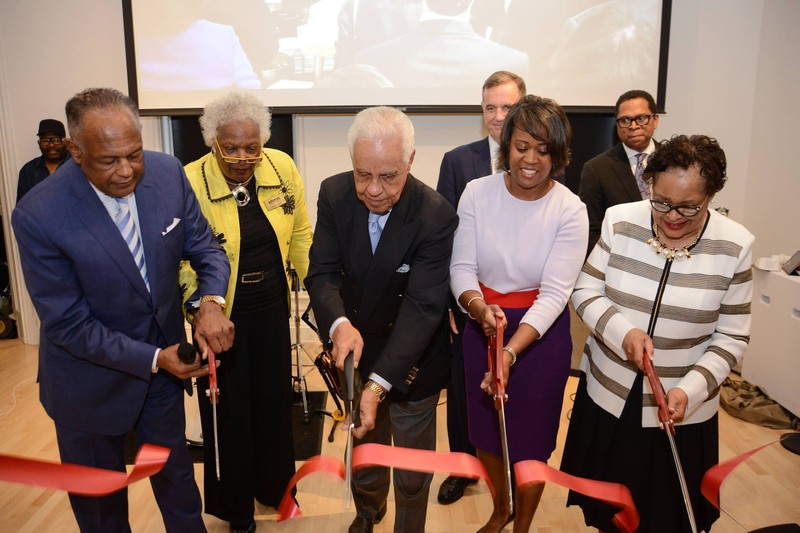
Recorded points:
(602, 447)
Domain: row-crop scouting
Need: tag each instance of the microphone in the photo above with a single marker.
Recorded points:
(186, 353)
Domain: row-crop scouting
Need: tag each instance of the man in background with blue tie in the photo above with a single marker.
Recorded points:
(101, 242)
(615, 177)
(378, 283)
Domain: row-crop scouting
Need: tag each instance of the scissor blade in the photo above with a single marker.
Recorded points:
(501, 415)
(348, 466)
(216, 432)
(682, 480)
(349, 378)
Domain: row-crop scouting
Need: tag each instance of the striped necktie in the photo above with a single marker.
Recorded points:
(644, 190)
(127, 227)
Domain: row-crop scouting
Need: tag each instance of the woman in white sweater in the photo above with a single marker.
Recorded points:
(670, 279)
(516, 256)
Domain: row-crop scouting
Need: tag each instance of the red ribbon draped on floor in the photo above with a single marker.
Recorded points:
(83, 480)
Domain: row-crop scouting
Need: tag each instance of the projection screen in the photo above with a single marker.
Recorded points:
(324, 56)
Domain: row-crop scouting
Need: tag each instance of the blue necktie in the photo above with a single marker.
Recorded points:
(644, 190)
(374, 230)
(127, 227)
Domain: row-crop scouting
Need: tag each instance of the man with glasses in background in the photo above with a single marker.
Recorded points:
(54, 153)
(615, 177)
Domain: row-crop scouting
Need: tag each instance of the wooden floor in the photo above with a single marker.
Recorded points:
(763, 491)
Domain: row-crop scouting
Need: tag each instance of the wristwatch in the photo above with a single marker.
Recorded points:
(379, 391)
(219, 300)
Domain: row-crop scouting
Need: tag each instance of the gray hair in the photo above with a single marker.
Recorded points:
(92, 100)
(234, 107)
(379, 123)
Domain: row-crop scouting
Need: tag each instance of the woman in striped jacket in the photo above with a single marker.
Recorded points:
(670, 280)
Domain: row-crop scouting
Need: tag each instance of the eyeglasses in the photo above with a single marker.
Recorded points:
(641, 120)
(235, 160)
(57, 141)
(683, 210)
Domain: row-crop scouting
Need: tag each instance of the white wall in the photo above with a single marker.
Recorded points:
(773, 185)
(732, 75)
(711, 81)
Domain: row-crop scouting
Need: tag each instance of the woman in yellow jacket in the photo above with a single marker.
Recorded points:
(254, 200)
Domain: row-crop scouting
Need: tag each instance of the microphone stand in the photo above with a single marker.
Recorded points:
(299, 379)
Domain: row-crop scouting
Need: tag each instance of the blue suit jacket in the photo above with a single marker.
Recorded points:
(462, 165)
(99, 325)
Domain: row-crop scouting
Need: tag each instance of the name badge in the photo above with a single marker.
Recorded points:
(276, 201)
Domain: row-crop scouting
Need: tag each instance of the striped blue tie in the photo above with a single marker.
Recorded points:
(127, 227)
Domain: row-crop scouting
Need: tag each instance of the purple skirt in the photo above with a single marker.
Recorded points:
(535, 390)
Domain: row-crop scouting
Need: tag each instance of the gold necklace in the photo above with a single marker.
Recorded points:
(668, 252)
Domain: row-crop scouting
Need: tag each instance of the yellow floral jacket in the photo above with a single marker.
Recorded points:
(281, 196)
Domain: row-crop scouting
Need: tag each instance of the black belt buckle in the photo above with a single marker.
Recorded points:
(253, 277)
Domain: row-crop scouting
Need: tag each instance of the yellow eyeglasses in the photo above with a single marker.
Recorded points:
(235, 160)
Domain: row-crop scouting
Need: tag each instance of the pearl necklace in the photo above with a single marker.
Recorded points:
(671, 254)
(240, 192)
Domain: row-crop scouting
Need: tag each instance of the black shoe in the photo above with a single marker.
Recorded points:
(360, 525)
(452, 489)
(243, 527)
(364, 525)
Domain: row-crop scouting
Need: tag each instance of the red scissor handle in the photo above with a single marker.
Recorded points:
(660, 395)
(495, 354)
(213, 389)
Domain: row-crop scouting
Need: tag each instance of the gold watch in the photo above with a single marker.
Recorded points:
(379, 391)
(219, 300)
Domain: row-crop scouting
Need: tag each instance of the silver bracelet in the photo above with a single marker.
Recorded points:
(469, 302)
(513, 355)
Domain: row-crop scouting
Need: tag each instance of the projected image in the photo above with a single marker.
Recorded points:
(351, 53)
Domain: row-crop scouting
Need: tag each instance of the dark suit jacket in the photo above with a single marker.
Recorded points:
(462, 165)
(459, 166)
(99, 325)
(606, 180)
(397, 299)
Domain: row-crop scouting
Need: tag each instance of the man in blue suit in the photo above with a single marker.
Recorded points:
(110, 327)
(461, 165)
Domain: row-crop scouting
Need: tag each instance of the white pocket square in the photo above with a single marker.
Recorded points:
(171, 226)
(403, 268)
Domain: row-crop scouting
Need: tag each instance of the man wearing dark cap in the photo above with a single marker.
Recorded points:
(54, 153)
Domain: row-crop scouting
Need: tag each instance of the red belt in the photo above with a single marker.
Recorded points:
(513, 300)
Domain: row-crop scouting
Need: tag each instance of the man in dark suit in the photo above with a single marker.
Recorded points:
(459, 166)
(614, 177)
(378, 283)
(110, 326)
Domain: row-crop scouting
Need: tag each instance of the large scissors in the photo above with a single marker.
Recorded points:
(495, 354)
(349, 395)
(669, 429)
(186, 353)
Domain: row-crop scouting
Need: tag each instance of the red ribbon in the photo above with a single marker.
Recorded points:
(457, 464)
(462, 465)
(627, 520)
(714, 476)
(78, 479)
(321, 463)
